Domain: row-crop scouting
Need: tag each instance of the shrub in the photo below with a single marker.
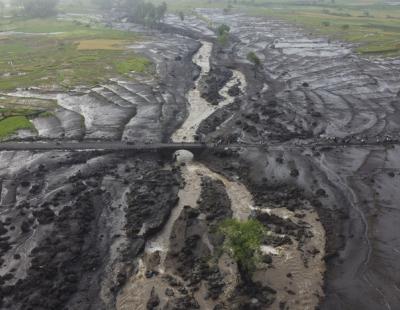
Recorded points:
(222, 29)
(326, 23)
(252, 57)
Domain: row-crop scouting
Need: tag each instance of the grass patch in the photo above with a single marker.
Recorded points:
(12, 124)
(101, 44)
(136, 64)
(46, 114)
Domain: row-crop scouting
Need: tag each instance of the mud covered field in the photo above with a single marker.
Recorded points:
(122, 230)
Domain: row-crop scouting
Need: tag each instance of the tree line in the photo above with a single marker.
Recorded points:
(35, 8)
(137, 11)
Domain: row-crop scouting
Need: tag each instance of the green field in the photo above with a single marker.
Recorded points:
(49, 54)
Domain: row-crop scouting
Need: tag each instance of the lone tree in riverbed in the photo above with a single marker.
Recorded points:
(181, 15)
(253, 58)
(243, 242)
(223, 34)
(223, 29)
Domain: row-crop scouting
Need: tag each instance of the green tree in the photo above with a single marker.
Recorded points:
(145, 13)
(181, 15)
(223, 34)
(253, 58)
(222, 29)
(243, 241)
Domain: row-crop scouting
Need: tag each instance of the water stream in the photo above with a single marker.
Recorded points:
(199, 108)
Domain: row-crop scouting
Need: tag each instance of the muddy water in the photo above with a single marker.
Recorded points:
(188, 196)
(306, 280)
(199, 108)
(241, 198)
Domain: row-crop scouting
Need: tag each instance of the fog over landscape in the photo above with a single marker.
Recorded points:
(199, 154)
